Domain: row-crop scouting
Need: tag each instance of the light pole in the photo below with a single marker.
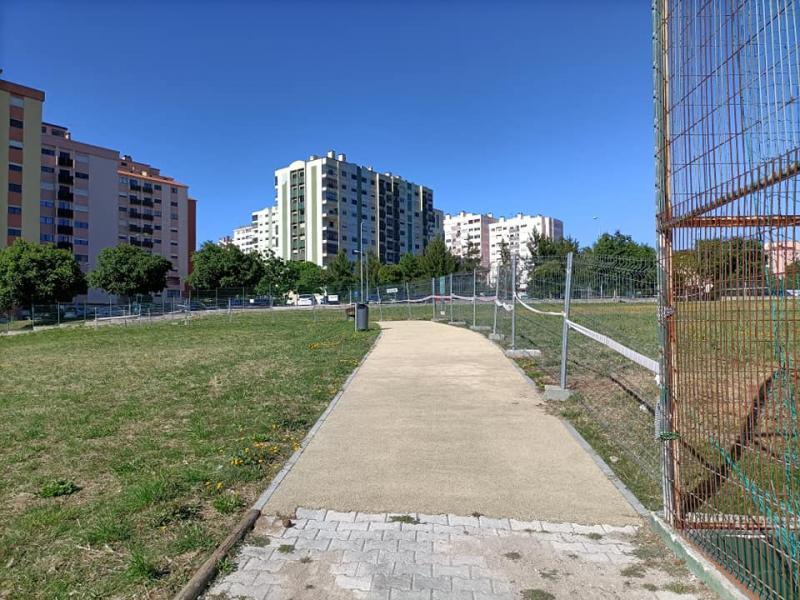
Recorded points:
(361, 258)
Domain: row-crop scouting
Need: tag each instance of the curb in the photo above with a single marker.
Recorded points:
(208, 570)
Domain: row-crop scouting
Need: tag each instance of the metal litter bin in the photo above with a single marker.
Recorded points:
(362, 317)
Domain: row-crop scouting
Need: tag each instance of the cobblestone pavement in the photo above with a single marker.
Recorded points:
(382, 556)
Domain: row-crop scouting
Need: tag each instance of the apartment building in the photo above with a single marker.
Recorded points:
(327, 204)
(20, 161)
(243, 237)
(155, 212)
(516, 231)
(468, 229)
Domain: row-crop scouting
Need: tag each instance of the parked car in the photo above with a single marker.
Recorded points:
(305, 300)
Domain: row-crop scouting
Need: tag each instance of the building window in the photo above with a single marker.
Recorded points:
(14, 232)
(157, 186)
(81, 258)
(81, 225)
(48, 170)
(15, 187)
(174, 190)
(15, 144)
(15, 123)
(17, 101)
(14, 210)
(46, 204)
(79, 242)
(123, 180)
(173, 203)
(48, 152)
(173, 216)
(80, 175)
(46, 237)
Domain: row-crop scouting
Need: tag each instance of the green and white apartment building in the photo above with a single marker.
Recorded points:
(326, 204)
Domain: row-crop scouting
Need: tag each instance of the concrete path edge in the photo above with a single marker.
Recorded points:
(199, 582)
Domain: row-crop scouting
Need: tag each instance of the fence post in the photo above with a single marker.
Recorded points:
(565, 328)
(58, 313)
(216, 299)
(433, 297)
(451, 297)
(33, 317)
(474, 297)
(408, 301)
(230, 314)
(380, 301)
(95, 317)
(514, 302)
(84, 312)
(496, 298)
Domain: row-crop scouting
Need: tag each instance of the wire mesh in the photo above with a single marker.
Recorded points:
(727, 77)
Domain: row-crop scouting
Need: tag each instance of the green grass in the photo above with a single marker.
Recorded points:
(129, 453)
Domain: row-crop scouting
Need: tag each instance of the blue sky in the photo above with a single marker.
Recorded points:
(525, 106)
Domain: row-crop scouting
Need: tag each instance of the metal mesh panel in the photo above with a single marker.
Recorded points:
(727, 88)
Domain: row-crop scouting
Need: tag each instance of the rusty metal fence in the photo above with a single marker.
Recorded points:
(727, 103)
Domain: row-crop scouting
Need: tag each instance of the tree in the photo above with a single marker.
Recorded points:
(437, 260)
(373, 269)
(390, 274)
(340, 272)
(472, 256)
(505, 254)
(125, 270)
(310, 277)
(409, 267)
(38, 274)
(546, 266)
(618, 245)
(225, 267)
(279, 276)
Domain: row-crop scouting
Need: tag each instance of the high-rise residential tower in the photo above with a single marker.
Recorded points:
(327, 204)
(468, 230)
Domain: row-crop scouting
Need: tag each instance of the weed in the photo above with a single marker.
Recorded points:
(634, 571)
(549, 574)
(59, 487)
(142, 567)
(258, 540)
(513, 555)
(228, 503)
(404, 519)
(286, 548)
(225, 566)
(537, 594)
(594, 536)
(650, 587)
(678, 587)
(305, 559)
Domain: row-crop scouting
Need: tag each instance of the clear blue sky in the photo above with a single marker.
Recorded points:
(540, 107)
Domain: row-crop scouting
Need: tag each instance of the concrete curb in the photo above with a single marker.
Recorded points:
(208, 570)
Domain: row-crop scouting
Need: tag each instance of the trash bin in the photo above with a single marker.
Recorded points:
(362, 317)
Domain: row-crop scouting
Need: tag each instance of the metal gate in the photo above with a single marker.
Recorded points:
(727, 101)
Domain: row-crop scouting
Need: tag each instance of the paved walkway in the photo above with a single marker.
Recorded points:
(440, 475)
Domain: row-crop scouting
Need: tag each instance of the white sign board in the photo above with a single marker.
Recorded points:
(391, 290)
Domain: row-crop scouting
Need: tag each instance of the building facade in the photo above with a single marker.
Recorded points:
(327, 204)
(85, 198)
(516, 231)
(20, 161)
(469, 230)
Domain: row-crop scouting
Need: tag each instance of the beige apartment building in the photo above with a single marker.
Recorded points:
(468, 229)
(86, 198)
(20, 161)
(515, 232)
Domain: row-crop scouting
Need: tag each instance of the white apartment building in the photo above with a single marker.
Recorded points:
(464, 229)
(516, 231)
(327, 204)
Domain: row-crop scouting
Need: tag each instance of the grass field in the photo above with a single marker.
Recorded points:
(128, 453)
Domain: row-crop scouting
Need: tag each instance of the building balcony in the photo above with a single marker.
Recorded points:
(65, 179)
(147, 229)
(147, 217)
(64, 245)
(64, 161)
(65, 213)
(64, 229)
(134, 228)
(147, 243)
(147, 189)
(147, 202)
(65, 195)
(135, 187)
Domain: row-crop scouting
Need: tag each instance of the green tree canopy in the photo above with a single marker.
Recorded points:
(472, 257)
(409, 267)
(437, 260)
(619, 245)
(279, 276)
(340, 272)
(225, 267)
(390, 274)
(126, 270)
(310, 277)
(38, 274)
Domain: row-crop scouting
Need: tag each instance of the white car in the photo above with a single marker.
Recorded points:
(305, 300)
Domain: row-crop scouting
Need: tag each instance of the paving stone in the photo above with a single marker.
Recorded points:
(391, 582)
(348, 526)
(525, 525)
(388, 556)
(354, 583)
(265, 579)
(409, 536)
(321, 524)
(557, 527)
(366, 535)
(423, 582)
(333, 515)
(429, 558)
(415, 546)
(417, 527)
(452, 571)
(409, 595)
(494, 523)
(309, 513)
(433, 519)
(345, 568)
(380, 517)
(385, 568)
(389, 545)
(332, 534)
(376, 526)
(312, 544)
(352, 545)
(356, 556)
(411, 568)
(460, 595)
(480, 573)
(469, 560)
(459, 521)
(473, 585)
